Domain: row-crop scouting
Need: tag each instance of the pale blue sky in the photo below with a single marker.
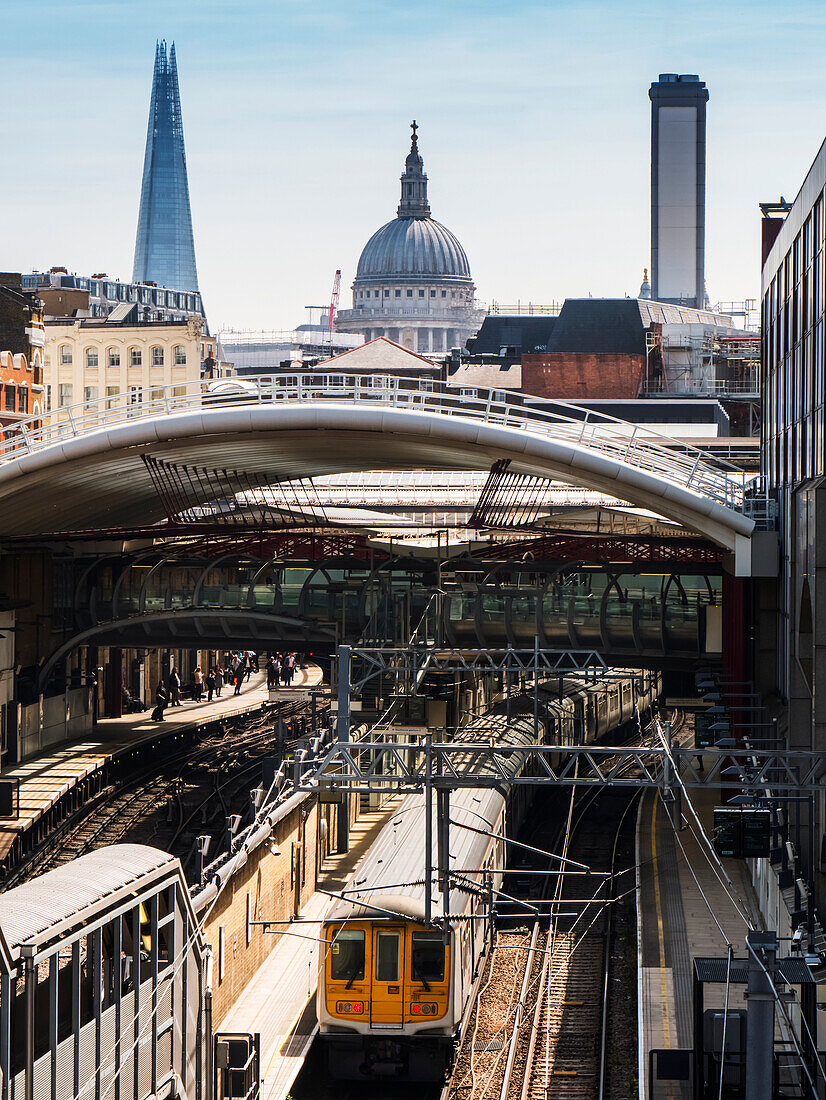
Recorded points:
(534, 130)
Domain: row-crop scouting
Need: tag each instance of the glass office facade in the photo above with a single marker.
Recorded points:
(794, 463)
(165, 247)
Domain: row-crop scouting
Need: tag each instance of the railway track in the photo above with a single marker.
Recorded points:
(540, 1025)
(191, 791)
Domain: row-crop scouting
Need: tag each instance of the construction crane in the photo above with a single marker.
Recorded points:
(331, 324)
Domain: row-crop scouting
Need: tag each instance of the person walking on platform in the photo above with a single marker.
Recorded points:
(290, 668)
(239, 677)
(210, 684)
(219, 680)
(248, 665)
(173, 686)
(161, 699)
(197, 684)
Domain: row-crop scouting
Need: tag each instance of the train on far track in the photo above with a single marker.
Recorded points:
(394, 993)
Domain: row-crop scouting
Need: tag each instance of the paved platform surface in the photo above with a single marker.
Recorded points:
(676, 925)
(45, 779)
(279, 1002)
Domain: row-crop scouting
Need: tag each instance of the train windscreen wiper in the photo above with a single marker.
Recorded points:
(356, 967)
(422, 978)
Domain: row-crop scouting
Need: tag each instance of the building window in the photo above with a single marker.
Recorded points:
(433, 294)
(65, 355)
(64, 394)
(91, 358)
(111, 396)
(421, 294)
(386, 292)
(410, 294)
(398, 294)
(375, 294)
(135, 357)
(90, 393)
(113, 357)
(24, 399)
(48, 399)
(444, 293)
(157, 357)
(9, 400)
(180, 356)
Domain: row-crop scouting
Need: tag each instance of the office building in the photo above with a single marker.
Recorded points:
(794, 329)
(165, 246)
(92, 359)
(678, 189)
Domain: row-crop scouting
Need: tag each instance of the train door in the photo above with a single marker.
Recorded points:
(387, 996)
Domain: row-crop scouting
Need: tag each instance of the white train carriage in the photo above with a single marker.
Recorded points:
(392, 992)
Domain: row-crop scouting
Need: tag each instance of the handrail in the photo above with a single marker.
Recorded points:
(685, 465)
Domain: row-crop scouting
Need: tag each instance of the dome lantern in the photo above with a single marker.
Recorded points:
(414, 202)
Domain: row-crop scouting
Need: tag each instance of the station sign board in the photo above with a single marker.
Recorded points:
(742, 833)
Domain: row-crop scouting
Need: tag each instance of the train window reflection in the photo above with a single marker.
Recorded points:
(387, 956)
(347, 956)
(427, 959)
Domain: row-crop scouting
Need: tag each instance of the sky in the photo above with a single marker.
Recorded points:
(534, 127)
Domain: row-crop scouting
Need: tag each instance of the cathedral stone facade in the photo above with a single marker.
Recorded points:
(413, 282)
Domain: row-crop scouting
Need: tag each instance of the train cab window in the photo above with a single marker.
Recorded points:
(387, 956)
(347, 956)
(427, 957)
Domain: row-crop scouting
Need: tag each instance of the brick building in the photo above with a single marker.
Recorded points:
(596, 349)
(21, 352)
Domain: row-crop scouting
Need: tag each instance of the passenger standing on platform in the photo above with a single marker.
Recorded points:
(272, 672)
(210, 684)
(239, 676)
(174, 688)
(219, 680)
(290, 668)
(248, 666)
(161, 699)
(197, 684)
(285, 671)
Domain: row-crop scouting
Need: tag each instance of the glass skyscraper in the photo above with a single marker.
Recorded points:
(165, 247)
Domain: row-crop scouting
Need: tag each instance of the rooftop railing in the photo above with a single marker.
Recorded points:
(631, 445)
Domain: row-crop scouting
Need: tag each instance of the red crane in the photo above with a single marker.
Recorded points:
(334, 303)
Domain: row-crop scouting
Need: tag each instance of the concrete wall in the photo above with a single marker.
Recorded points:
(54, 719)
(575, 375)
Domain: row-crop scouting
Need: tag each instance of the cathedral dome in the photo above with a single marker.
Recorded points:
(413, 247)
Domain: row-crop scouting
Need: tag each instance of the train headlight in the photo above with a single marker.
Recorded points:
(344, 1008)
(420, 1009)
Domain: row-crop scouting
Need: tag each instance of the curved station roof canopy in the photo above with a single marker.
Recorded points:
(99, 480)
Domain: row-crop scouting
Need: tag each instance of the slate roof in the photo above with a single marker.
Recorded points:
(593, 325)
(502, 330)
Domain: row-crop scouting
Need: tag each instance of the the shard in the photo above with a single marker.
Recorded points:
(165, 247)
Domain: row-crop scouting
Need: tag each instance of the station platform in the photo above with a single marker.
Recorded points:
(676, 925)
(279, 1002)
(44, 780)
